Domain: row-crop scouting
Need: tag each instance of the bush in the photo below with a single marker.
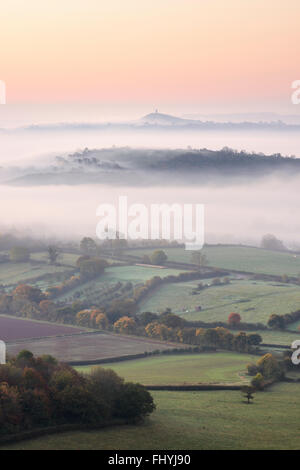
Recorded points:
(134, 403)
(258, 381)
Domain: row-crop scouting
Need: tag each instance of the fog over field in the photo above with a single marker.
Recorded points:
(47, 188)
(238, 213)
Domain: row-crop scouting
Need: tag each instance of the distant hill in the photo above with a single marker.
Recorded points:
(140, 166)
(164, 120)
(160, 121)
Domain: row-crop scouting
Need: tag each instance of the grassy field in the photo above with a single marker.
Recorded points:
(198, 420)
(225, 367)
(64, 258)
(12, 273)
(136, 274)
(95, 290)
(276, 337)
(239, 258)
(255, 301)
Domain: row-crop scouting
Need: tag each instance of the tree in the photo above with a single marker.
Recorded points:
(19, 254)
(269, 367)
(234, 319)
(147, 317)
(248, 392)
(91, 267)
(254, 339)
(26, 292)
(240, 342)
(158, 257)
(276, 322)
(270, 242)
(88, 246)
(48, 309)
(171, 320)
(125, 325)
(252, 369)
(211, 337)
(199, 258)
(158, 330)
(83, 318)
(134, 403)
(258, 381)
(53, 253)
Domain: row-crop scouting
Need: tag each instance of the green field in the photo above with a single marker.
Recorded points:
(64, 258)
(239, 258)
(197, 420)
(13, 273)
(275, 336)
(68, 259)
(225, 367)
(255, 301)
(136, 274)
(96, 288)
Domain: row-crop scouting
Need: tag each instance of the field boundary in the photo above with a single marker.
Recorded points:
(33, 433)
(195, 387)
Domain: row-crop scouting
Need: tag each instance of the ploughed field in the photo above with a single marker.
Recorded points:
(89, 346)
(12, 328)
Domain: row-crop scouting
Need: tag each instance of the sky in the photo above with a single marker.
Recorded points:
(216, 53)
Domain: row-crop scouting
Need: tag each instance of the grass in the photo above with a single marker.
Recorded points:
(197, 420)
(255, 301)
(239, 258)
(13, 273)
(184, 368)
(136, 274)
(69, 259)
(96, 289)
(276, 336)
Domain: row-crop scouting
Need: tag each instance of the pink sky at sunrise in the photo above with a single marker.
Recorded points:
(150, 51)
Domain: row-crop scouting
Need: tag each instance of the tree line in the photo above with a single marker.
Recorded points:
(38, 392)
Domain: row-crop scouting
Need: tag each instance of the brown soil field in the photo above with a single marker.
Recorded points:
(13, 328)
(86, 347)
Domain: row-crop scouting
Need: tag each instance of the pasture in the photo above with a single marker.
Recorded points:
(13, 273)
(206, 420)
(255, 301)
(99, 290)
(276, 336)
(240, 258)
(213, 368)
(136, 274)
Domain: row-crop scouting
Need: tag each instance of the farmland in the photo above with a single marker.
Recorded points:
(197, 420)
(12, 328)
(184, 368)
(240, 258)
(276, 336)
(89, 346)
(255, 301)
(14, 273)
(97, 289)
